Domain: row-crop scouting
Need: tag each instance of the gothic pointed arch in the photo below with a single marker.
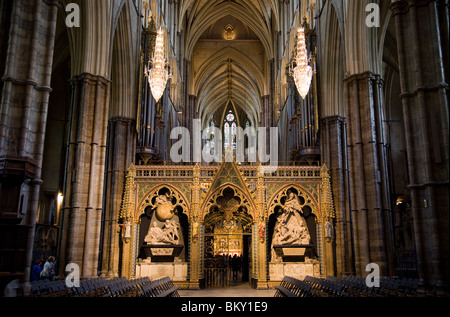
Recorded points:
(176, 198)
(306, 199)
(228, 177)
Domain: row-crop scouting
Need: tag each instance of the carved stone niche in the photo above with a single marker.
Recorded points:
(294, 253)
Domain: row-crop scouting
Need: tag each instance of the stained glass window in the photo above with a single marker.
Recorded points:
(227, 135)
(230, 130)
(212, 126)
(233, 135)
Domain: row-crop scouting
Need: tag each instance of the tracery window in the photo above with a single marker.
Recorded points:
(230, 130)
(210, 137)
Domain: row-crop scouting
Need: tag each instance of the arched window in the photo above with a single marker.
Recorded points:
(233, 135)
(230, 131)
(212, 126)
(226, 131)
(210, 133)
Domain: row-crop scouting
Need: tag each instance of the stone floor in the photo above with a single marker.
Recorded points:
(233, 290)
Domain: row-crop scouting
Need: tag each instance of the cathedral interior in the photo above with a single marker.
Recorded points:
(172, 138)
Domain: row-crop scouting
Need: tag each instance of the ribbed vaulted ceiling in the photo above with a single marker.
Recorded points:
(229, 73)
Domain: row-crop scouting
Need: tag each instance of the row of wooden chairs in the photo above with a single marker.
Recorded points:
(388, 287)
(326, 287)
(346, 287)
(291, 287)
(48, 288)
(125, 288)
(160, 288)
(101, 287)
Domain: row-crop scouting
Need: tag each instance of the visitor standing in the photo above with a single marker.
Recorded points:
(49, 269)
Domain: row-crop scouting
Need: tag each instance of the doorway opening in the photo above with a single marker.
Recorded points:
(228, 235)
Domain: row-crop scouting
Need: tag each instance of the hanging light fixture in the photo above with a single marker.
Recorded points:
(158, 74)
(303, 72)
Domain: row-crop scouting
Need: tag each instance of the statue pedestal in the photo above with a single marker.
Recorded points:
(177, 271)
(294, 253)
(162, 253)
(298, 270)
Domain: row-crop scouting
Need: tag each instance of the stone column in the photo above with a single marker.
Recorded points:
(266, 119)
(27, 58)
(85, 171)
(267, 111)
(334, 156)
(369, 182)
(190, 115)
(422, 36)
(121, 148)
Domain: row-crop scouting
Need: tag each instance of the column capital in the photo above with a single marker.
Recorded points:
(89, 79)
(368, 75)
(403, 6)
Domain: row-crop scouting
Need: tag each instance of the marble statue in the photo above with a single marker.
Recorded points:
(171, 229)
(168, 234)
(291, 227)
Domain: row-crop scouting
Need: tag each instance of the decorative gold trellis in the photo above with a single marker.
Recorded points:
(197, 188)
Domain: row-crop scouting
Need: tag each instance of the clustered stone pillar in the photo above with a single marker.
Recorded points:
(85, 172)
(120, 154)
(369, 182)
(27, 57)
(334, 156)
(422, 35)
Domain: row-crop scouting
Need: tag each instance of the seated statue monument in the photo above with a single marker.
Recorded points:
(163, 239)
(290, 229)
(168, 234)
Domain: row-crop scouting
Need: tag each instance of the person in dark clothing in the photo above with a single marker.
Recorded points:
(235, 266)
(36, 271)
(240, 262)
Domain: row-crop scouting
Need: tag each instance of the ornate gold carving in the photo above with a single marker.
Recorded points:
(197, 189)
(327, 196)
(195, 265)
(127, 209)
(328, 215)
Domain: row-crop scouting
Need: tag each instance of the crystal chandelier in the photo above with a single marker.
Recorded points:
(303, 73)
(158, 74)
